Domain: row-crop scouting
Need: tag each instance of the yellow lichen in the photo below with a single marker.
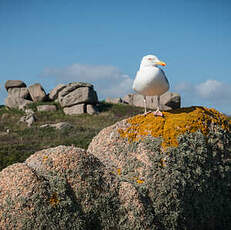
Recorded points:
(54, 199)
(174, 123)
(118, 171)
(45, 158)
(140, 181)
(162, 162)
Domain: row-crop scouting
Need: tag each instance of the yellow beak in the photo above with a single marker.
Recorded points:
(161, 63)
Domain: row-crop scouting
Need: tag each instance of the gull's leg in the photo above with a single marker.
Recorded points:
(157, 112)
(145, 106)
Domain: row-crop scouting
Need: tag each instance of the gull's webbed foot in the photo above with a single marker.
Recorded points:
(158, 113)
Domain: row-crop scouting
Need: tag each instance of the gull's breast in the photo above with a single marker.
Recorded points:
(151, 82)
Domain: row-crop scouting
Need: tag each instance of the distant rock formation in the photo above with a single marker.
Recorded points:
(78, 97)
(37, 92)
(145, 172)
(168, 101)
(18, 94)
(74, 98)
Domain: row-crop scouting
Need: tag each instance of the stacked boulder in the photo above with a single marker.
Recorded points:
(74, 98)
(168, 101)
(19, 95)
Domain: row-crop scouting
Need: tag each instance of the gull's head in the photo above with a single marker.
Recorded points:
(151, 60)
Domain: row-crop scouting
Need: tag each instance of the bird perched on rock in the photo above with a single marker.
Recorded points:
(151, 80)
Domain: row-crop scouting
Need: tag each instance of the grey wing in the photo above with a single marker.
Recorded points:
(165, 78)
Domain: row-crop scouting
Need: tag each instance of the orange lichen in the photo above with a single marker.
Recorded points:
(174, 123)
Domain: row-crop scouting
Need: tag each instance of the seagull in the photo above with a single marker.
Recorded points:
(151, 80)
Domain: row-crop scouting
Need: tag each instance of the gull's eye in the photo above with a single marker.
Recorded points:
(150, 59)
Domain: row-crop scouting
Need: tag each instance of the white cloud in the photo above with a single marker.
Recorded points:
(214, 90)
(109, 81)
(212, 93)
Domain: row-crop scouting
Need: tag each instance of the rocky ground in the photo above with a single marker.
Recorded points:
(131, 177)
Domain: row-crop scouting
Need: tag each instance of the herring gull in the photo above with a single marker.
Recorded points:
(151, 80)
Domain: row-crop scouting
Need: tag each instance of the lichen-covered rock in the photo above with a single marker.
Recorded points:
(145, 172)
(33, 200)
(180, 164)
(67, 188)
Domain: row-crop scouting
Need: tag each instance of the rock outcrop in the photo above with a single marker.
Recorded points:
(14, 84)
(74, 98)
(16, 102)
(116, 100)
(53, 95)
(58, 188)
(18, 95)
(22, 92)
(37, 92)
(145, 172)
(182, 162)
(168, 101)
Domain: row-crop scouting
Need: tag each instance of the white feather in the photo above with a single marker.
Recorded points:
(150, 80)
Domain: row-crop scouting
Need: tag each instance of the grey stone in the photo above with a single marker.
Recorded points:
(29, 111)
(71, 87)
(78, 96)
(91, 109)
(168, 101)
(29, 119)
(116, 100)
(60, 125)
(46, 108)
(37, 92)
(128, 99)
(16, 102)
(14, 84)
(76, 109)
(22, 92)
(53, 95)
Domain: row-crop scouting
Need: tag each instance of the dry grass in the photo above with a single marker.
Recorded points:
(21, 141)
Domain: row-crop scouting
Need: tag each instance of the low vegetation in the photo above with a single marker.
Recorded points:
(18, 141)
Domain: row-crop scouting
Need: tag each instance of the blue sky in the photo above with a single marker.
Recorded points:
(103, 42)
